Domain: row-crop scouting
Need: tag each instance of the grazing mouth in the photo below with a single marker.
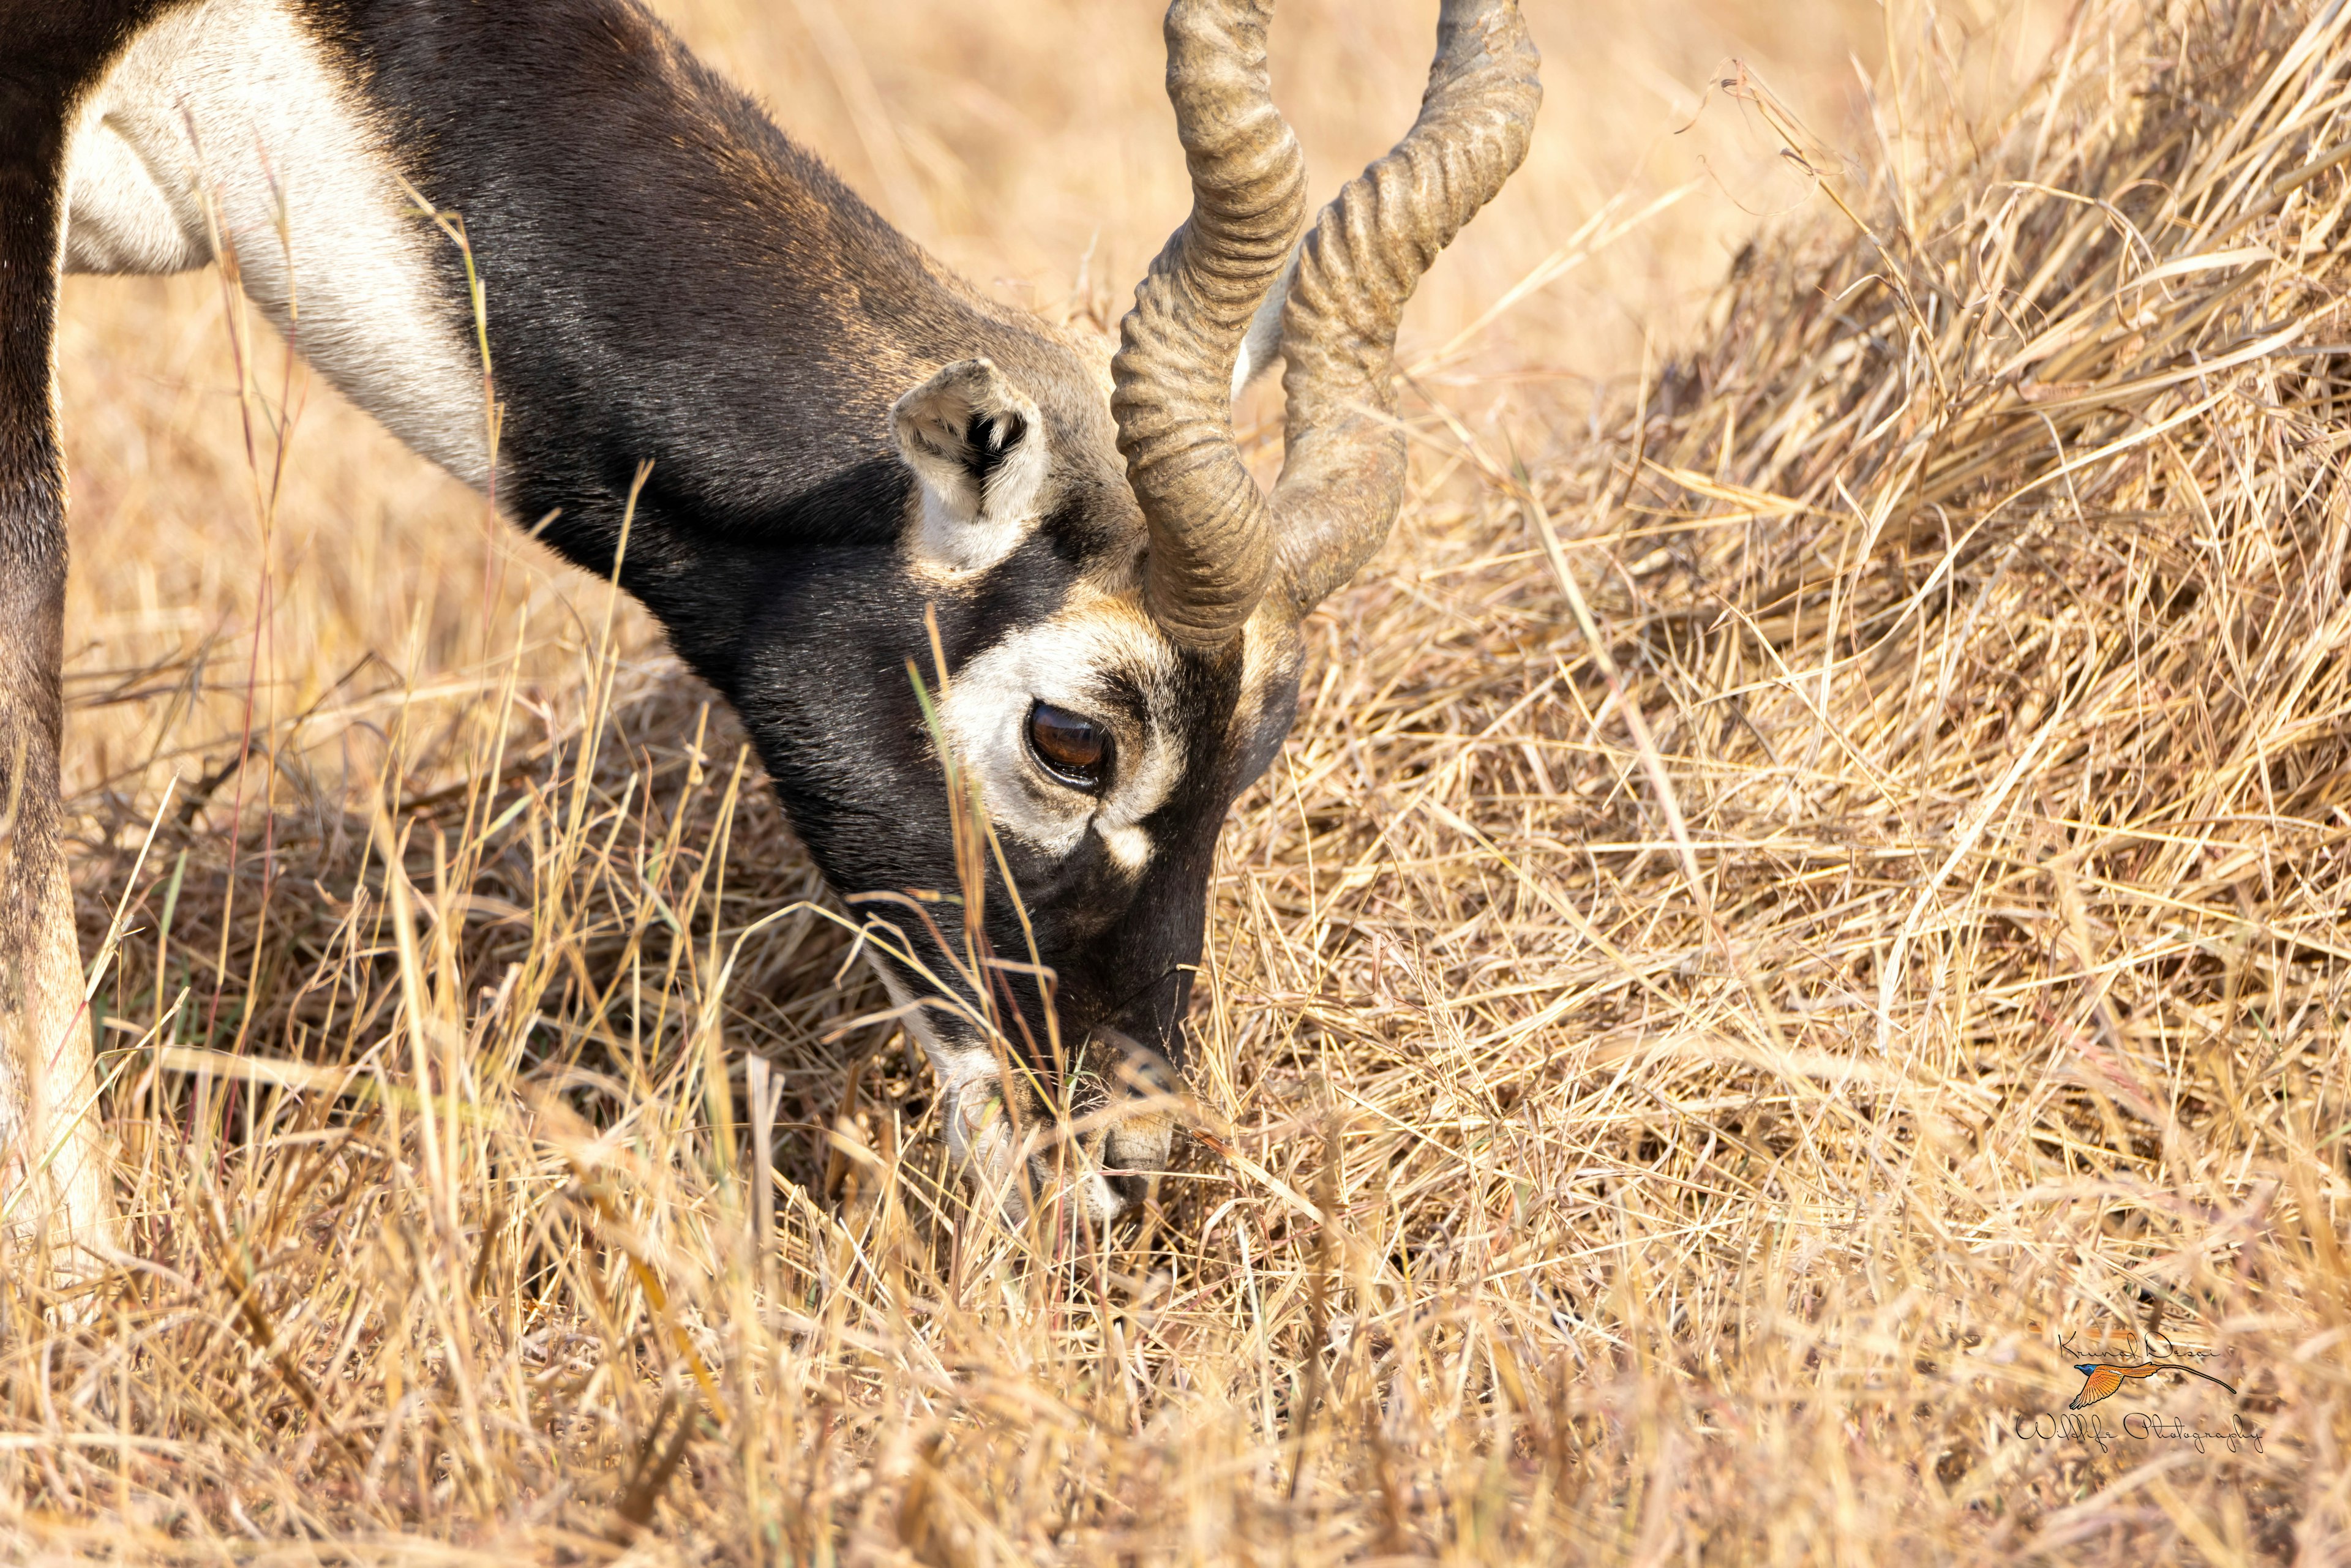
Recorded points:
(1108, 1138)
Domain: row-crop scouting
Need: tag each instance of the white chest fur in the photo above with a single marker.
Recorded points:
(227, 117)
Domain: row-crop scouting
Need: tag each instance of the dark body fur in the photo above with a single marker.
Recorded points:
(670, 280)
(735, 315)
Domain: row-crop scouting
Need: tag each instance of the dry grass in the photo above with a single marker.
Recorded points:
(1787, 895)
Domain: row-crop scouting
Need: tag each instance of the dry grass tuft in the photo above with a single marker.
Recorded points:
(1778, 909)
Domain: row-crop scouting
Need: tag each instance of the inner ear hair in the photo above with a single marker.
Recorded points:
(991, 438)
(969, 434)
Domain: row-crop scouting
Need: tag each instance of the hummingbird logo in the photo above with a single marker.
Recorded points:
(2100, 1379)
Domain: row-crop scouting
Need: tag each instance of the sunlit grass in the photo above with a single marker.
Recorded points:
(1664, 1086)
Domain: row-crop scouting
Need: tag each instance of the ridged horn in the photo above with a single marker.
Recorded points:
(1212, 537)
(1343, 471)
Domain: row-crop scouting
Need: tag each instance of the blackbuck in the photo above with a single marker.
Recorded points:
(847, 445)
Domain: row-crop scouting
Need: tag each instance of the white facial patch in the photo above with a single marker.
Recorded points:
(978, 445)
(1075, 662)
(234, 105)
(966, 1073)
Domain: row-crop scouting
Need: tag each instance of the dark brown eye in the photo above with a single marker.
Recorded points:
(1075, 751)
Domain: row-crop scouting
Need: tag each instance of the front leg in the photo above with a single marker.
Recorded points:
(54, 1186)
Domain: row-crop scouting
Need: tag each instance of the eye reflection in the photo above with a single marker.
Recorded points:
(1073, 748)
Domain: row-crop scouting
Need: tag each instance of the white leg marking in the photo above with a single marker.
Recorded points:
(232, 103)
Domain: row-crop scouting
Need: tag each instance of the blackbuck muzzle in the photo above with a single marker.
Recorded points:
(960, 572)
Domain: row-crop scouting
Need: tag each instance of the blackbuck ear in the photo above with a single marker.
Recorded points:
(1262, 345)
(976, 443)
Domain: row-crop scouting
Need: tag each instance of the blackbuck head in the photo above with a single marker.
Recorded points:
(1117, 610)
